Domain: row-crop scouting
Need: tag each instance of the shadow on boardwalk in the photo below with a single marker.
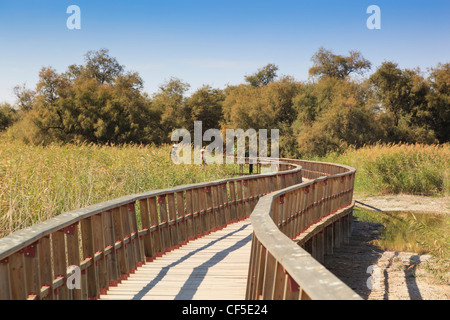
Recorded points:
(198, 274)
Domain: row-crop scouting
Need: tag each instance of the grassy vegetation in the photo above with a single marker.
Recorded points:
(37, 182)
(399, 168)
(414, 232)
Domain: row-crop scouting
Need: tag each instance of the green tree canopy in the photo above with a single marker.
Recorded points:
(263, 76)
(326, 63)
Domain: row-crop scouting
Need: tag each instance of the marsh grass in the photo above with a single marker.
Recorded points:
(399, 168)
(37, 183)
(421, 233)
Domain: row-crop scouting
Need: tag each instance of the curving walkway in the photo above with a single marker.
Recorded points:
(214, 267)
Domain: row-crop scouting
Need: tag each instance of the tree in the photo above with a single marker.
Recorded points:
(7, 116)
(438, 101)
(332, 115)
(261, 107)
(97, 102)
(393, 88)
(170, 102)
(101, 66)
(205, 105)
(24, 98)
(263, 76)
(328, 64)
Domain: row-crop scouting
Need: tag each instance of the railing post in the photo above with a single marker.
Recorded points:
(5, 282)
(181, 215)
(88, 253)
(113, 273)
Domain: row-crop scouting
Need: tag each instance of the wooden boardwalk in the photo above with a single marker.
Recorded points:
(214, 267)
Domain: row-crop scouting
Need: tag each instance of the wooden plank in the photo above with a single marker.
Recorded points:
(173, 226)
(45, 263)
(127, 241)
(234, 206)
(121, 252)
(145, 220)
(240, 198)
(99, 248)
(112, 259)
(134, 234)
(246, 198)
(189, 215)
(167, 242)
(73, 256)
(157, 233)
(269, 277)
(203, 212)
(59, 262)
(88, 253)
(193, 271)
(210, 217)
(196, 225)
(226, 196)
(5, 283)
(182, 226)
(17, 276)
(32, 272)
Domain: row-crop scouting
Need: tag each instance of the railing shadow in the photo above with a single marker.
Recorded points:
(411, 280)
(198, 274)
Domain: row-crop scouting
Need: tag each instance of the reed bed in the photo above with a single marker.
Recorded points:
(399, 168)
(37, 182)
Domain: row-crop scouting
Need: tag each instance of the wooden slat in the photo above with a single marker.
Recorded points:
(157, 233)
(99, 247)
(121, 252)
(17, 276)
(145, 220)
(182, 226)
(5, 283)
(173, 227)
(32, 270)
(88, 253)
(167, 242)
(127, 241)
(112, 258)
(45, 263)
(73, 256)
(213, 267)
(59, 262)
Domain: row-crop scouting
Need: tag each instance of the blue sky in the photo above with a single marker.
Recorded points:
(215, 42)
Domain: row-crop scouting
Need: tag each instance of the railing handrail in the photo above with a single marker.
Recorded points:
(199, 209)
(295, 261)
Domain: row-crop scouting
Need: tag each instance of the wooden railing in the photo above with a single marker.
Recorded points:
(108, 241)
(292, 230)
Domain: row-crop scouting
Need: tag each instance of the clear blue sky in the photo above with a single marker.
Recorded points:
(215, 42)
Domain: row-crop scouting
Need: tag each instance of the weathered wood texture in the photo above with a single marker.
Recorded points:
(213, 267)
(105, 242)
(306, 213)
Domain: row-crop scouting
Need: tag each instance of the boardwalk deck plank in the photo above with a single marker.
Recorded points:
(214, 267)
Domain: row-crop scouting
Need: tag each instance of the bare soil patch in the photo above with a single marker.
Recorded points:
(395, 275)
(406, 202)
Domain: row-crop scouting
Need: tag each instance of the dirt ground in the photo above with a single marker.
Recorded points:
(376, 274)
(403, 202)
